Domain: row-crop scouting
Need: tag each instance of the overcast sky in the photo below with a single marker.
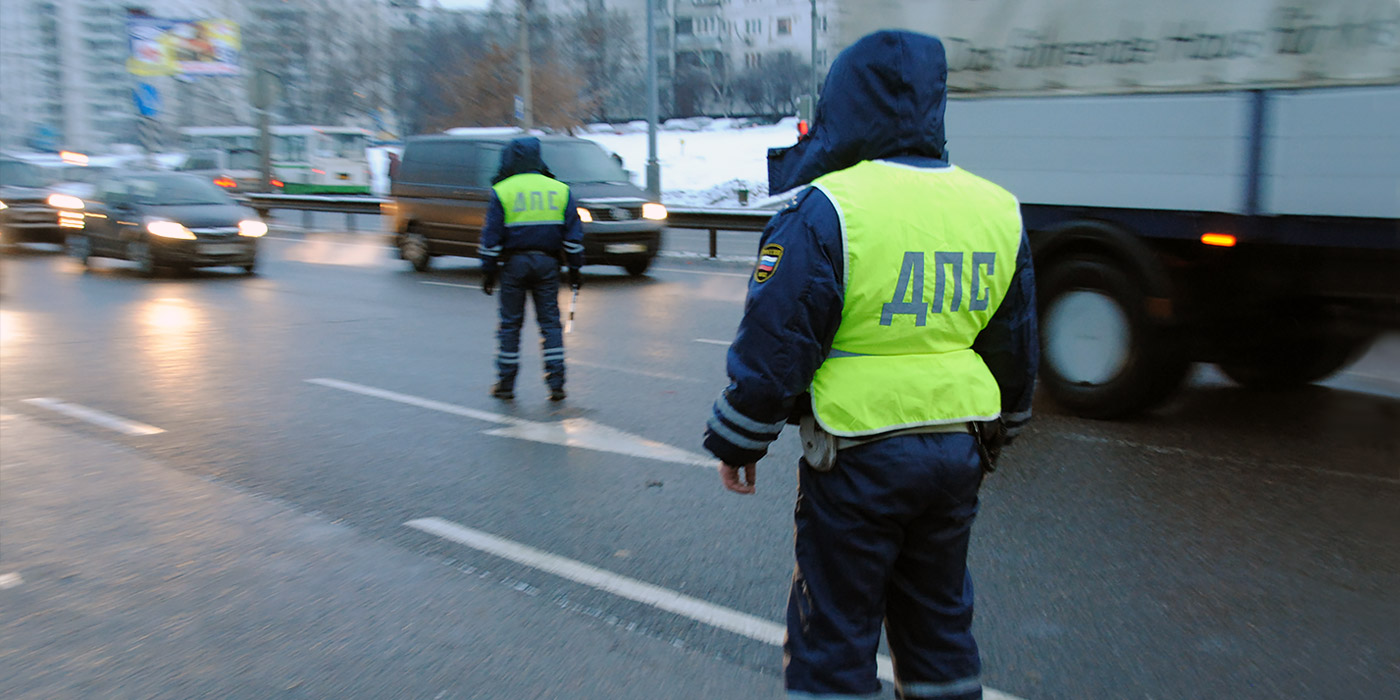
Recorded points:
(463, 4)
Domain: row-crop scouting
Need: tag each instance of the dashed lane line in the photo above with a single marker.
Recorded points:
(711, 341)
(95, 417)
(716, 616)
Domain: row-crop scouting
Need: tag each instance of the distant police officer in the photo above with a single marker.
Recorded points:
(891, 314)
(531, 222)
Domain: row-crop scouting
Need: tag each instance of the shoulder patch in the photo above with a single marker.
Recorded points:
(768, 260)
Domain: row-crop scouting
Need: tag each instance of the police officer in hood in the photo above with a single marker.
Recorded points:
(532, 223)
(891, 314)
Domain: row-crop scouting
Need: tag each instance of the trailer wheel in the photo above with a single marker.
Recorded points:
(1285, 354)
(1102, 356)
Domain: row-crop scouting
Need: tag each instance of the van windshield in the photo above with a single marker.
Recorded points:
(581, 161)
(20, 174)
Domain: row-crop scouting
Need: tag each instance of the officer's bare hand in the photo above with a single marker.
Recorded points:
(729, 476)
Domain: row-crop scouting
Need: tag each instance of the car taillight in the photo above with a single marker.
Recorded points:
(225, 181)
(277, 183)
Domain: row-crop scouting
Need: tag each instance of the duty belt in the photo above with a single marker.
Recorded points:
(819, 447)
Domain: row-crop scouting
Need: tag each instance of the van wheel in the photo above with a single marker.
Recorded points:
(80, 247)
(140, 253)
(1102, 356)
(637, 267)
(414, 249)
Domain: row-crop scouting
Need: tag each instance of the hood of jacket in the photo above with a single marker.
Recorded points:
(883, 97)
(521, 155)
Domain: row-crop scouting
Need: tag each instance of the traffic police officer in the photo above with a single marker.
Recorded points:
(892, 315)
(531, 222)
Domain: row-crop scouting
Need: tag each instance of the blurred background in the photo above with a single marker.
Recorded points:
(246, 443)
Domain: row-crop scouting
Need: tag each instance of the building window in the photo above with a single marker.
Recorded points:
(784, 26)
(753, 26)
(685, 26)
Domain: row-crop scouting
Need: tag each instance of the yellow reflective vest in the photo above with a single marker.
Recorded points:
(531, 198)
(929, 256)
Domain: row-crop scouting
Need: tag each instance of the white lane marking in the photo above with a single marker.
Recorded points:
(727, 619)
(638, 372)
(1239, 461)
(573, 432)
(94, 416)
(584, 433)
(709, 341)
(699, 272)
(10, 580)
(417, 401)
(452, 284)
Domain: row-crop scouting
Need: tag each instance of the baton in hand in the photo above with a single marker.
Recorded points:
(573, 302)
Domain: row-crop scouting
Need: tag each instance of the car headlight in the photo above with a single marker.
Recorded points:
(252, 228)
(654, 211)
(2, 205)
(585, 216)
(169, 229)
(64, 201)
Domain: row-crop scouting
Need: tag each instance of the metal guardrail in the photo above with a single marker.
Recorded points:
(712, 219)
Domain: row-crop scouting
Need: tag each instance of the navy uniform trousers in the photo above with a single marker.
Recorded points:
(883, 537)
(535, 273)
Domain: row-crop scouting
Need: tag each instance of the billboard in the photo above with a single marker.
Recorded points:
(1108, 46)
(188, 47)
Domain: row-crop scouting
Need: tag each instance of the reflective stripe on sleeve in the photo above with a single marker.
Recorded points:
(733, 437)
(731, 414)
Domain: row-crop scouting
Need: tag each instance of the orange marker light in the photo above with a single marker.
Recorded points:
(1224, 240)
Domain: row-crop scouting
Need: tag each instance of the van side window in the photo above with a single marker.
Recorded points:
(488, 161)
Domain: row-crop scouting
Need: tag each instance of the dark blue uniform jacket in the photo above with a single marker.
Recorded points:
(866, 112)
(521, 156)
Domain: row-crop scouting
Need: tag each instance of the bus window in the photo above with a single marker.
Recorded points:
(340, 146)
(290, 149)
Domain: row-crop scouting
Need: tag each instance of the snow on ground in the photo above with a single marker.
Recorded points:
(703, 163)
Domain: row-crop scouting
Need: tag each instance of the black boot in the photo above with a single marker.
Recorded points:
(503, 391)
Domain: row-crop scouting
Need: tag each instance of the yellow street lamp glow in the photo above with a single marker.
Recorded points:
(585, 216)
(169, 229)
(654, 211)
(252, 228)
(64, 201)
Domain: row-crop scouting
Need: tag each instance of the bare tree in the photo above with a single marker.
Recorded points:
(611, 64)
(774, 86)
(480, 88)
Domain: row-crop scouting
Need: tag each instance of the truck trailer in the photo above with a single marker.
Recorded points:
(1200, 181)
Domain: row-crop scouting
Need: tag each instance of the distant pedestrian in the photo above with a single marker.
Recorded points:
(891, 314)
(532, 223)
(393, 165)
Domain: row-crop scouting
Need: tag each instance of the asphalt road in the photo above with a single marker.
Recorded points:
(298, 487)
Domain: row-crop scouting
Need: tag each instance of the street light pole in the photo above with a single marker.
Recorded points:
(527, 115)
(814, 56)
(653, 167)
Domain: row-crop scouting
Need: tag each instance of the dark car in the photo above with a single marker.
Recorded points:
(164, 219)
(439, 198)
(27, 211)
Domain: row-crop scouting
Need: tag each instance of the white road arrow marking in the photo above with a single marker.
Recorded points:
(584, 433)
(571, 432)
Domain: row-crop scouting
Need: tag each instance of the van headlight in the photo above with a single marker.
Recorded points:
(252, 228)
(653, 211)
(585, 216)
(169, 229)
(64, 201)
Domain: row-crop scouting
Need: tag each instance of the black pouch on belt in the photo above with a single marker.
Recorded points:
(990, 436)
